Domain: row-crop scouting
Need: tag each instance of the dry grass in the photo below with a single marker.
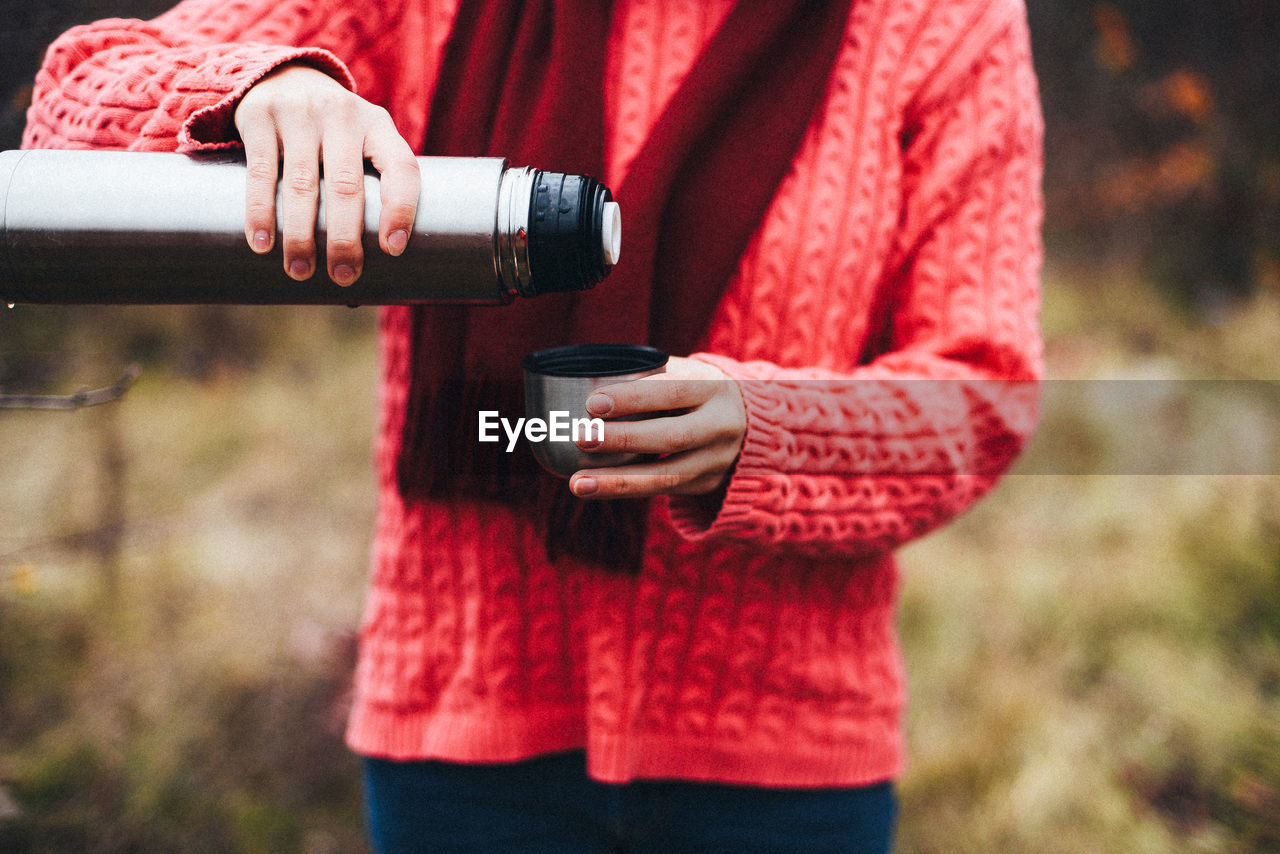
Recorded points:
(194, 702)
(1094, 659)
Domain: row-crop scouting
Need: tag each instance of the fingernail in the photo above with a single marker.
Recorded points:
(299, 268)
(599, 404)
(344, 274)
(262, 240)
(397, 241)
(589, 442)
(585, 486)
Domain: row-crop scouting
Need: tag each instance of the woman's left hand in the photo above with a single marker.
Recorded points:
(697, 433)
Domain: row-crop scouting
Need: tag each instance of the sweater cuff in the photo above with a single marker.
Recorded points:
(212, 127)
(734, 510)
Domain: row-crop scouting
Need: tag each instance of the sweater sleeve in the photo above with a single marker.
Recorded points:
(172, 83)
(859, 462)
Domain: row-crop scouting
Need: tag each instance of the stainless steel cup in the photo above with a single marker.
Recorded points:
(557, 383)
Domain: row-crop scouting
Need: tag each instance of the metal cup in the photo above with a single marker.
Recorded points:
(557, 383)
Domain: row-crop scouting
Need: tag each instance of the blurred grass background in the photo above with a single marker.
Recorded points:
(1094, 656)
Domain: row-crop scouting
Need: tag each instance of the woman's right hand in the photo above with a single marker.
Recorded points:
(301, 116)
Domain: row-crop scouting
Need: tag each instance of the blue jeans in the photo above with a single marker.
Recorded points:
(550, 806)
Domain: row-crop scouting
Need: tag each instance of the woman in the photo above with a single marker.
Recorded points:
(832, 216)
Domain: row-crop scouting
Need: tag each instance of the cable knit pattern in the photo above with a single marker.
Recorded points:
(883, 328)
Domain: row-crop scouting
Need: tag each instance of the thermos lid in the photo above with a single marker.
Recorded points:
(575, 233)
(611, 233)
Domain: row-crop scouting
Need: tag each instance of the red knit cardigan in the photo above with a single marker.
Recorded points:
(888, 296)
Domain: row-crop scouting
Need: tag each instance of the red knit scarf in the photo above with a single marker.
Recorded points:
(524, 80)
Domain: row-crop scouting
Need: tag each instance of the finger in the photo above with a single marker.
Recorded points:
(262, 162)
(682, 474)
(400, 185)
(299, 200)
(344, 206)
(669, 435)
(650, 394)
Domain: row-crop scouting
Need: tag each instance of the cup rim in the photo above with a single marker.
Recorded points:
(594, 360)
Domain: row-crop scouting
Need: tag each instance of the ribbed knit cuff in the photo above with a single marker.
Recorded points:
(759, 463)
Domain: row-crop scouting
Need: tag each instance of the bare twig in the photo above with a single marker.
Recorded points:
(79, 400)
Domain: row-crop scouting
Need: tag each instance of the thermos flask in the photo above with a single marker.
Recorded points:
(109, 227)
